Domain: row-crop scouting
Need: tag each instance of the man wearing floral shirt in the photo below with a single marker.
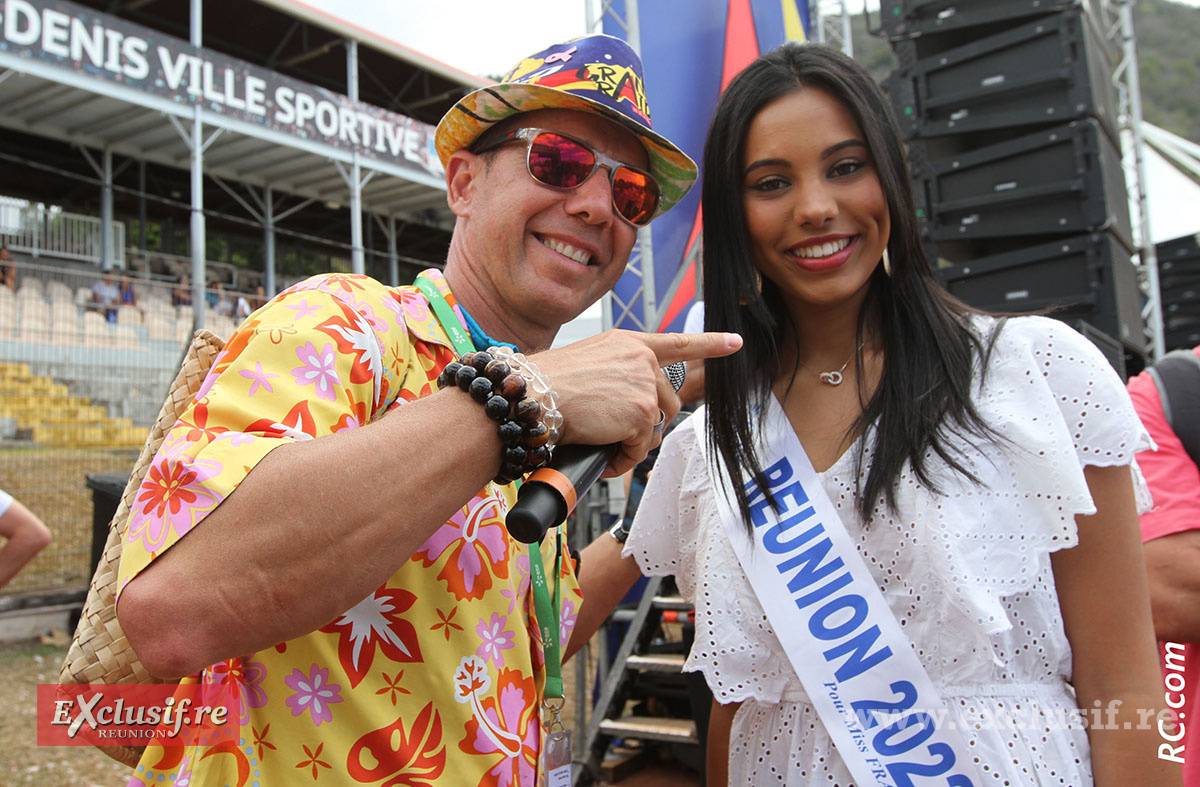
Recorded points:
(346, 571)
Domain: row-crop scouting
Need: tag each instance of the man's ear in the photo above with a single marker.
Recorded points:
(463, 169)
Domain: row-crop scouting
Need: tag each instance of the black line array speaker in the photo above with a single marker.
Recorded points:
(1086, 277)
(914, 19)
(1063, 180)
(1010, 115)
(1179, 288)
(1047, 71)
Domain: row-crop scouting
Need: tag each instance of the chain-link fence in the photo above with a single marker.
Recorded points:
(85, 361)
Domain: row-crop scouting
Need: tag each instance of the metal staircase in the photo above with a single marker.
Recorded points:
(646, 673)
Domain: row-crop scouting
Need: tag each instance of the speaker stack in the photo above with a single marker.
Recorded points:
(1179, 285)
(1010, 115)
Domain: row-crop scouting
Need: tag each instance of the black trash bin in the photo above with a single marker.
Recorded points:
(107, 489)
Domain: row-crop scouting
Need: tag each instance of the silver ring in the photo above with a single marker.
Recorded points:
(662, 422)
(676, 373)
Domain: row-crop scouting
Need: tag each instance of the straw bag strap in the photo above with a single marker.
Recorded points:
(99, 652)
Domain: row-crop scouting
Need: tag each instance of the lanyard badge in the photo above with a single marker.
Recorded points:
(555, 758)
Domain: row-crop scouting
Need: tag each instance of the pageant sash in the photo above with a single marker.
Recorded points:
(856, 664)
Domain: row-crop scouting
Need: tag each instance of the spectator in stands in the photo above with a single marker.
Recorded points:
(247, 306)
(106, 296)
(218, 300)
(182, 294)
(1167, 399)
(126, 294)
(25, 535)
(8, 269)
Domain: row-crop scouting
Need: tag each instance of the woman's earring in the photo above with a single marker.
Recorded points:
(887, 263)
(742, 301)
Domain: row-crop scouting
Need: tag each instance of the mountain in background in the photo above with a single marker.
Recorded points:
(1168, 64)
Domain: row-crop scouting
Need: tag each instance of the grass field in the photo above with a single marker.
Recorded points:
(22, 761)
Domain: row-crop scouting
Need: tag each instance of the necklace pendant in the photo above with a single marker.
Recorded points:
(831, 378)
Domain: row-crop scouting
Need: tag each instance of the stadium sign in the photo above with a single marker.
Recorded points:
(108, 48)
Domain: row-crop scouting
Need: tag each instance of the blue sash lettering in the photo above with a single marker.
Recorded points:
(860, 660)
(811, 569)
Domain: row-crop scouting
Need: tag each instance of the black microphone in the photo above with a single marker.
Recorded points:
(550, 493)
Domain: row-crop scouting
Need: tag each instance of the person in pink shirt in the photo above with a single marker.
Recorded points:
(1171, 532)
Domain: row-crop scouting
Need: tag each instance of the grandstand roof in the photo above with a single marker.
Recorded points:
(60, 105)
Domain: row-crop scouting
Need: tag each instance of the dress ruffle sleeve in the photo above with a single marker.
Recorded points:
(1056, 406)
(663, 544)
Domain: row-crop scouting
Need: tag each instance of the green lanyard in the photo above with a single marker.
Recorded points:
(446, 316)
(547, 615)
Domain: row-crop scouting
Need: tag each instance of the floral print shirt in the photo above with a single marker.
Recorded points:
(436, 677)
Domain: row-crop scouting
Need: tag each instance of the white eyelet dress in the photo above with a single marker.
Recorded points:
(966, 572)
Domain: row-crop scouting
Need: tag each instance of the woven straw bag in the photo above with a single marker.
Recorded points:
(99, 653)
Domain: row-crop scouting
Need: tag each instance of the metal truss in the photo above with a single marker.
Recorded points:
(1116, 23)
(830, 24)
(614, 309)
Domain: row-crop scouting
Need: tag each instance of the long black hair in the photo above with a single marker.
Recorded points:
(929, 350)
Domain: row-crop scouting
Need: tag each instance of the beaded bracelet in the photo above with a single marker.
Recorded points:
(501, 381)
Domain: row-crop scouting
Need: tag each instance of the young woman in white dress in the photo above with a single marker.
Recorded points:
(982, 467)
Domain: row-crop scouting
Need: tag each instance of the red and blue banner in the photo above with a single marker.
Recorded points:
(690, 53)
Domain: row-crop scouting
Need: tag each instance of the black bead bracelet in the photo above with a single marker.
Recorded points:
(495, 384)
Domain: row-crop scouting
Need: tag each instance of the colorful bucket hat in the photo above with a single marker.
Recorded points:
(596, 73)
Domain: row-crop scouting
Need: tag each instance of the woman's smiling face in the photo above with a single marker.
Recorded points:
(815, 211)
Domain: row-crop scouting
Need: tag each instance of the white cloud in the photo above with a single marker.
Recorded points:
(478, 36)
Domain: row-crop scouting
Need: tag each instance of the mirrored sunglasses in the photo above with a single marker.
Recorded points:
(562, 162)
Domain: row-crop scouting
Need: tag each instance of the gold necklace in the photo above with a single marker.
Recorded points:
(834, 377)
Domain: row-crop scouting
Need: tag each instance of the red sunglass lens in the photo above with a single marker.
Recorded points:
(560, 162)
(564, 163)
(635, 195)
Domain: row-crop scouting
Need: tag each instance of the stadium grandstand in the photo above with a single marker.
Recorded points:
(166, 166)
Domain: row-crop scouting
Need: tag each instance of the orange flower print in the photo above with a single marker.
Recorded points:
(446, 623)
(392, 687)
(474, 546)
(313, 760)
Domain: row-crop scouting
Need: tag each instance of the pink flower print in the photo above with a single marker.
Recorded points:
(303, 309)
(474, 546)
(511, 731)
(415, 307)
(313, 693)
(236, 438)
(367, 312)
(259, 377)
(171, 497)
(566, 623)
(245, 678)
(393, 306)
(495, 639)
(319, 370)
(518, 587)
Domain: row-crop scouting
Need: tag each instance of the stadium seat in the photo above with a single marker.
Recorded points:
(96, 331)
(128, 315)
(33, 324)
